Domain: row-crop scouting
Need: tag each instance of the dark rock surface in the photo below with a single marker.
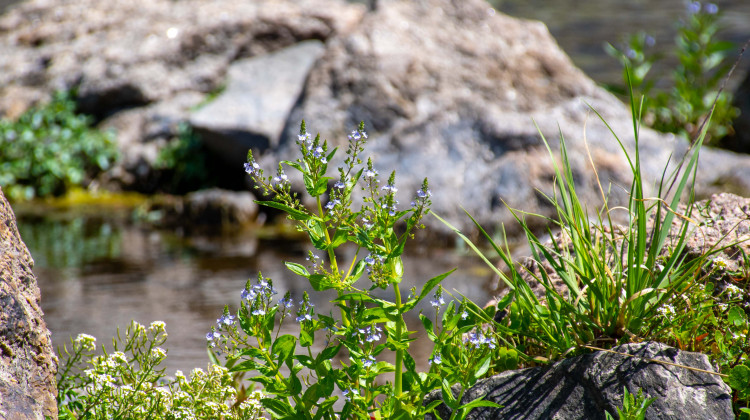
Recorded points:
(739, 141)
(585, 387)
(27, 362)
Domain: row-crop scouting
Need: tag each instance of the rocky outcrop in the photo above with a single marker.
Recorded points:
(142, 66)
(451, 90)
(588, 386)
(27, 362)
(448, 89)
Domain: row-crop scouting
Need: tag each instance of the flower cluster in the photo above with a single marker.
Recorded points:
(437, 299)
(477, 339)
(694, 7)
(306, 309)
(377, 233)
(128, 383)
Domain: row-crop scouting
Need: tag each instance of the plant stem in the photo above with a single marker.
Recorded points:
(399, 351)
(331, 254)
(332, 259)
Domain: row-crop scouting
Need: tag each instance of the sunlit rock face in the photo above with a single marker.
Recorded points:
(451, 90)
(27, 362)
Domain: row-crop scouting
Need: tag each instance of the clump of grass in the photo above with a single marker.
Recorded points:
(603, 286)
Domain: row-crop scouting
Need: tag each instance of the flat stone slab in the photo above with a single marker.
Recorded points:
(260, 94)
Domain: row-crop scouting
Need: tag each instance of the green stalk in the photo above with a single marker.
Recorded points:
(331, 254)
(399, 351)
(332, 258)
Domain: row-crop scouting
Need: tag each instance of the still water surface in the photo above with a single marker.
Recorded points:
(99, 271)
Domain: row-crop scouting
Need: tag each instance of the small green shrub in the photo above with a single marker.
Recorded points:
(50, 149)
(681, 104)
(613, 280)
(128, 383)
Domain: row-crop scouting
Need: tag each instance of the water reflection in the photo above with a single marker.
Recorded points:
(96, 273)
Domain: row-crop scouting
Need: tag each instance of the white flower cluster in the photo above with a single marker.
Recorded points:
(130, 384)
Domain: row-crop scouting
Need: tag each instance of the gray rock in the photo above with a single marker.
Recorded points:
(450, 90)
(585, 387)
(137, 57)
(252, 110)
(27, 362)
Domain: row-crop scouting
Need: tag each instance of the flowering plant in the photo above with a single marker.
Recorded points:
(695, 88)
(341, 376)
(128, 383)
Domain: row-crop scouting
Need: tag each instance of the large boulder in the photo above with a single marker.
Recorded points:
(448, 89)
(451, 90)
(27, 362)
(739, 139)
(588, 386)
(142, 66)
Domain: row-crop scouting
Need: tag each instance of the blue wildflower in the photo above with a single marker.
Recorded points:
(369, 361)
(252, 168)
(227, 319)
(423, 193)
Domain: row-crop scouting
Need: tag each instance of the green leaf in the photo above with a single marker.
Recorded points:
(426, 290)
(479, 403)
(306, 339)
(320, 282)
(328, 353)
(484, 366)
(278, 409)
(359, 269)
(297, 269)
(737, 316)
(245, 366)
(739, 378)
(284, 346)
(339, 238)
(427, 323)
(319, 188)
(293, 213)
(294, 165)
(448, 397)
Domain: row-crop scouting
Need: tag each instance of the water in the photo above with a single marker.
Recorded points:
(97, 271)
(582, 28)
